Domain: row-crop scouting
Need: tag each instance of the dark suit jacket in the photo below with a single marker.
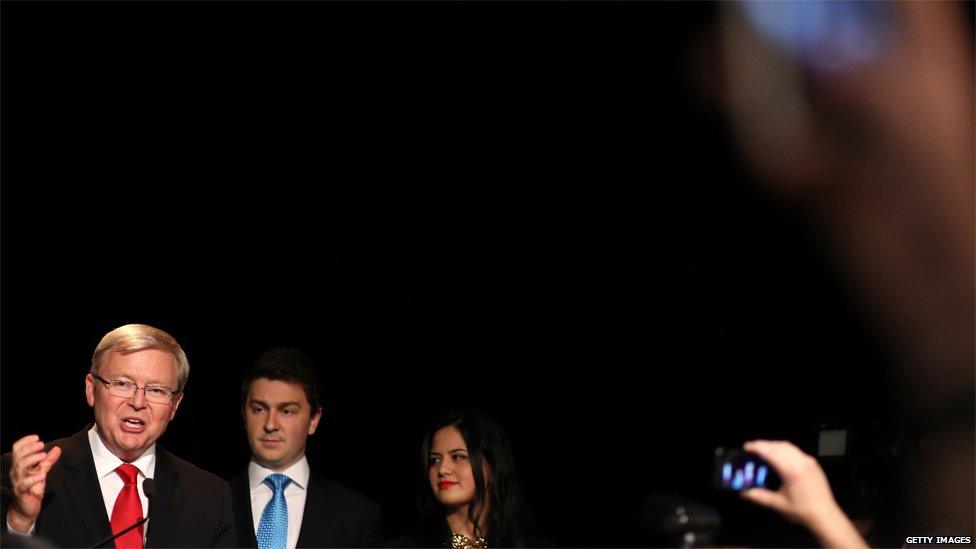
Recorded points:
(190, 508)
(335, 516)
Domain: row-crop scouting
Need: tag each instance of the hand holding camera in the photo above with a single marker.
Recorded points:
(804, 496)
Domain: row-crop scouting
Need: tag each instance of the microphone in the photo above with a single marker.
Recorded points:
(148, 488)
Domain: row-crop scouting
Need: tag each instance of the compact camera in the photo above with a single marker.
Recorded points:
(737, 470)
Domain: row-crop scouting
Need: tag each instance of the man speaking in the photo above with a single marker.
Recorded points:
(94, 489)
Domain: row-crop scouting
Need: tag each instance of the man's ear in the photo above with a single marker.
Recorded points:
(90, 390)
(176, 404)
(314, 424)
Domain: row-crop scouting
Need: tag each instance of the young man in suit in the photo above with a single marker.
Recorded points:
(81, 490)
(278, 501)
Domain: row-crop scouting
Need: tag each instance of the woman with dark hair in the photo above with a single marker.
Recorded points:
(471, 495)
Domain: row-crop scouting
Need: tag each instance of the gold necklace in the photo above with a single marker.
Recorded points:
(460, 541)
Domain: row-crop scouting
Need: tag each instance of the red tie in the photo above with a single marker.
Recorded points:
(128, 509)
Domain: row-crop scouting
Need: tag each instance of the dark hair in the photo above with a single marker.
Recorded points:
(289, 365)
(506, 516)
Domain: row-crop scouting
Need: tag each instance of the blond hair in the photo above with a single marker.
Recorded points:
(137, 337)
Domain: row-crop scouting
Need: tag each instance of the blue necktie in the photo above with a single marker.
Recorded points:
(273, 528)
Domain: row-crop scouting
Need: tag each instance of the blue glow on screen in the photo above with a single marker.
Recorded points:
(829, 36)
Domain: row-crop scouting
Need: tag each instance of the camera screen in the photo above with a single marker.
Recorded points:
(736, 470)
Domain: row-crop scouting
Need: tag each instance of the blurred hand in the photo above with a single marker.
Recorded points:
(805, 496)
(28, 478)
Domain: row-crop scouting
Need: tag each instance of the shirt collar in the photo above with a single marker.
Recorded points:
(299, 473)
(106, 462)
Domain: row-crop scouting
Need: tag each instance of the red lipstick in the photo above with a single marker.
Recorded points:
(444, 484)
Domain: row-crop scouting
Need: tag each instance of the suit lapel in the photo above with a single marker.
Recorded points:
(318, 523)
(243, 517)
(165, 504)
(308, 535)
(81, 485)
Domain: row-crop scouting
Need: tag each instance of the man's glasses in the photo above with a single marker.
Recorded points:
(123, 388)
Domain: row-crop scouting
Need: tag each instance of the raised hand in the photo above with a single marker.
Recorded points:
(805, 496)
(28, 478)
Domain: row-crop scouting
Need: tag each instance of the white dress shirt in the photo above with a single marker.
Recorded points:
(111, 483)
(295, 492)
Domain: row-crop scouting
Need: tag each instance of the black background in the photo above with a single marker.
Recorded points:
(523, 208)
